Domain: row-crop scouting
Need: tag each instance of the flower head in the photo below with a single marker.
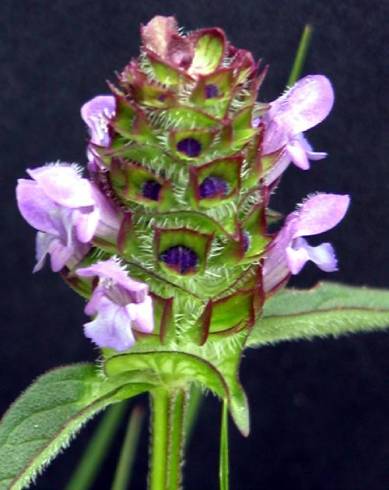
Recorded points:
(289, 251)
(66, 209)
(302, 107)
(183, 160)
(120, 304)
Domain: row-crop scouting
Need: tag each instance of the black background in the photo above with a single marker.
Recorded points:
(319, 409)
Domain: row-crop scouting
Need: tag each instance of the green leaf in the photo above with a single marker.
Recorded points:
(167, 368)
(214, 366)
(48, 414)
(224, 463)
(329, 309)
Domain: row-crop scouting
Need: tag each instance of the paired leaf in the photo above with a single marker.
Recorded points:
(43, 420)
(214, 366)
(329, 309)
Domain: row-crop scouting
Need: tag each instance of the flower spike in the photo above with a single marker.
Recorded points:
(182, 162)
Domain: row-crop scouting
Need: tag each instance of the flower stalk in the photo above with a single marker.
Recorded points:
(301, 55)
(167, 438)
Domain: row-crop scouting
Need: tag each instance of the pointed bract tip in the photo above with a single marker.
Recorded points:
(157, 34)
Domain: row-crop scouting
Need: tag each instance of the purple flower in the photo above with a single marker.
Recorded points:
(120, 304)
(288, 252)
(67, 210)
(96, 114)
(302, 107)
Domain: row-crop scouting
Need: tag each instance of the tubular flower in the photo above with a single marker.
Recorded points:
(302, 107)
(96, 114)
(67, 210)
(119, 304)
(182, 161)
(289, 251)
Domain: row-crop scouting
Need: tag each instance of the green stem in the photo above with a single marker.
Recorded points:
(193, 409)
(224, 463)
(167, 435)
(91, 462)
(159, 438)
(176, 422)
(301, 54)
(127, 454)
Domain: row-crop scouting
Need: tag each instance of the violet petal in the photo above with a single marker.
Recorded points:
(96, 113)
(305, 105)
(111, 328)
(63, 184)
(322, 255)
(320, 213)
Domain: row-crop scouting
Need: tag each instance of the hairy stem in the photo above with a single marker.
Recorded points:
(193, 410)
(224, 463)
(167, 435)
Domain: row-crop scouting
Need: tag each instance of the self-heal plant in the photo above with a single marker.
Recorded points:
(167, 238)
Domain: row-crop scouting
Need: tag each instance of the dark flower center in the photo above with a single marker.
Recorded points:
(151, 189)
(180, 258)
(212, 187)
(245, 241)
(211, 91)
(190, 146)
